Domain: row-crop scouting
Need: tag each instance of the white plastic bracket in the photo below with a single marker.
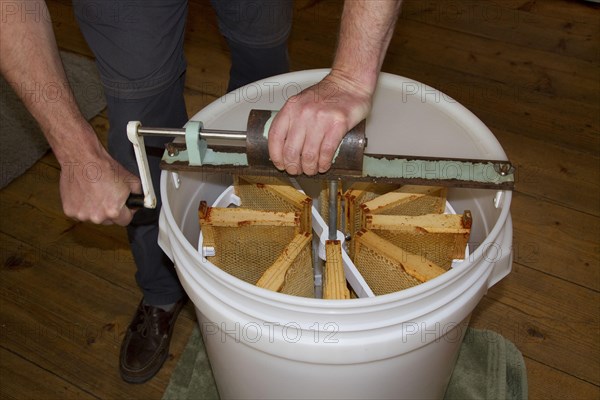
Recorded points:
(142, 162)
(498, 198)
(175, 178)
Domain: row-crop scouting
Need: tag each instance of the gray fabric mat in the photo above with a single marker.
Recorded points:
(22, 143)
(488, 367)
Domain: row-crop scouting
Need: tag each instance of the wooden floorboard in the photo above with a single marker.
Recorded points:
(542, 315)
(553, 239)
(503, 21)
(548, 383)
(529, 69)
(21, 379)
(553, 173)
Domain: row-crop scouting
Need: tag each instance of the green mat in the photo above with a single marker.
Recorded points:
(488, 367)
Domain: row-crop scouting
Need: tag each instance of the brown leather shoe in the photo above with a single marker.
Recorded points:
(146, 344)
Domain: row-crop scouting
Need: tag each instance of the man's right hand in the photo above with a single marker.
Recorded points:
(95, 187)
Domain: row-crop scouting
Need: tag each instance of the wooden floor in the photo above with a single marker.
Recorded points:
(530, 69)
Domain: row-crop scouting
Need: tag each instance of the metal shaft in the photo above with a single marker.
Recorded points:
(332, 223)
(219, 137)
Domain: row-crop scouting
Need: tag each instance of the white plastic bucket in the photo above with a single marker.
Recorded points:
(263, 344)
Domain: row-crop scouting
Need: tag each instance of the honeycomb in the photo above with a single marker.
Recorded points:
(399, 236)
(267, 241)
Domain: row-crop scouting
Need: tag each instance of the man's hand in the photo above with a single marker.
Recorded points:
(95, 188)
(309, 128)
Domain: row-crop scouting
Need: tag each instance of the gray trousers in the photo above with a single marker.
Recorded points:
(139, 53)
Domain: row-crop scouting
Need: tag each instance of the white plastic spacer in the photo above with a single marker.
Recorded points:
(325, 237)
(234, 199)
(208, 251)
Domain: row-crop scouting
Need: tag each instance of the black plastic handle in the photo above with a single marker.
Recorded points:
(135, 200)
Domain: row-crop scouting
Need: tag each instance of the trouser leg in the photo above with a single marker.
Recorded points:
(250, 64)
(139, 53)
(155, 273)
(257, 33)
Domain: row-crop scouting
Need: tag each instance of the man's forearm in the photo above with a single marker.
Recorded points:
(30, 62)
(366, 29)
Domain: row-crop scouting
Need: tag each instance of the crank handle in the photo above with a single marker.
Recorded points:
(135, 201)
(149, 196)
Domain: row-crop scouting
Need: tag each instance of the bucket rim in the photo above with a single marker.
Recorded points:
(468, 121)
